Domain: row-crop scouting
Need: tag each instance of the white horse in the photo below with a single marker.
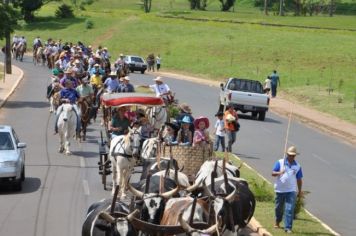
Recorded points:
(67, 122)
(123, 150)
(157, 116)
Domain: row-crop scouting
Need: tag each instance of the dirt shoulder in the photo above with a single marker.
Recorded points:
(280, 105)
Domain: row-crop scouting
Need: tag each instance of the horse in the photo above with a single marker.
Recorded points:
(20, 51)
(39, 56)
(157, 116)
(67, 123)
(53, 96)
(84, 104)
(123, 150)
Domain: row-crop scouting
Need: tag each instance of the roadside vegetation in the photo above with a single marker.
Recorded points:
(304, 224)
(316, 66)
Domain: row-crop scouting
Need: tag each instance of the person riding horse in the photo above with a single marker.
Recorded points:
(162, 90)
(121, 66)
(69, 95)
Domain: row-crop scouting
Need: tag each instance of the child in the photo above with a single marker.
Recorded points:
(219, 132)
(170, 134)
(185, 136)
(201, 134)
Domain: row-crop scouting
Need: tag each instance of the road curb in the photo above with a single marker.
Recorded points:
(14, 86)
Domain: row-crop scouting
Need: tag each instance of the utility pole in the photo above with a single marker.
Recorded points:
(7, 47)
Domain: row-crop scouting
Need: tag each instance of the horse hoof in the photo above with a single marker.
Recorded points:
(68, 153)
(60, 150)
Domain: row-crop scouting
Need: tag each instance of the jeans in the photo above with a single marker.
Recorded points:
(274, 90)
(218, 140)
(231, 138)
(286, 201)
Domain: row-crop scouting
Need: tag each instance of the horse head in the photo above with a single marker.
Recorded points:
(134, 137)
(67, 111)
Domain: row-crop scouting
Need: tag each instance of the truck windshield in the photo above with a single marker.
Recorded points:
(245, 85)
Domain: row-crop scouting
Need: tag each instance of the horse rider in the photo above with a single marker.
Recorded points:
(85, 90)
(161, 89)
(125, 85)
(22, 41)
(96, 68)
(119, 124)
(69, 75)
(120, 62)
(111, 84)
(69, 95)
(37, 43)
(15, 41)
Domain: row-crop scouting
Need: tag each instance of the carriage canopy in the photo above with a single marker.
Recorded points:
(128, 99)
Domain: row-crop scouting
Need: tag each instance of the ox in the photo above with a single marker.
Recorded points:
(67, 123)
(100, 223)
(122, 150)
(239, 209)
(153, 203)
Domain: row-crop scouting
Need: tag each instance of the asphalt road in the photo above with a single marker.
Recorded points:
(58, 189)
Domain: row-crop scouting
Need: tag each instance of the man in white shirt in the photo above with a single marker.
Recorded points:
(161, 89)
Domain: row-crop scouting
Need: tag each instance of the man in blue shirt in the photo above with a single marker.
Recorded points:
(274, 82)
(288, 185)
(69, 95)
(111, 83)
(125, 86)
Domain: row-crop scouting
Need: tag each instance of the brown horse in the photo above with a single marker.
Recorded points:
(84, 104)
(39, 56)
(20, 51)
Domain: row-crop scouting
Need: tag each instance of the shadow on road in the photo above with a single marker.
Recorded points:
(267, 119)
(86, 154)
(30, 185)
(23, 104)
(244, 156)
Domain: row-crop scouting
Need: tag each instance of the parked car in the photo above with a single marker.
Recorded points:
(136, 63)
(12, 158)
(246, 96)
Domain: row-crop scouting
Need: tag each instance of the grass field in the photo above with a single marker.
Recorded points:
(309, 61)
(264, 213)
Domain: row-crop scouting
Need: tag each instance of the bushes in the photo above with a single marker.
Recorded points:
(64, 11)
(89, 24)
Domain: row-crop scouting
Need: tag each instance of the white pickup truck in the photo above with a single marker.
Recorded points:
(245, 95)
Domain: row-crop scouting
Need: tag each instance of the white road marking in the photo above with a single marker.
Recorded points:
(82, 162)
(321, 159)
(86, 187)
(353, 176)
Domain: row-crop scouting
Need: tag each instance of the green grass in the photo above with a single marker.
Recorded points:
(308, 60)
(2, 72)
(264, 212)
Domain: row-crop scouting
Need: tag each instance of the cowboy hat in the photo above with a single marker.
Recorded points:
(121, 55)
(172, 125)
(230, 118)
(68, 71)
(187, 120)
(126, 78)
(292, 150)
(113, 73)
(85, 80)
(201, 119)
(96, 65)
(76, 61)
(158, 78)
(185, 107)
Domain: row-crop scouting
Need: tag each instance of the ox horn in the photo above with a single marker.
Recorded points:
(169, 194)
(212, 229)
(184, 224)
(132, 215)
(231, 196)
(209, 192)
(104, 215)
(194, 186)
(134, 191)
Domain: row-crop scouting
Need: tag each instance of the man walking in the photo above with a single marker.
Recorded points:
(274, 82)
(288, 185)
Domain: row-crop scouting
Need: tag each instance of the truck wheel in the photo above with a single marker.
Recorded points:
(262, 115)
(254, 114)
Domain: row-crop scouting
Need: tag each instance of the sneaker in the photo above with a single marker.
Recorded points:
(288, 231)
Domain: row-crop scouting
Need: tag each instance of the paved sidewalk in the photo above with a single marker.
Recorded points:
(9, 84)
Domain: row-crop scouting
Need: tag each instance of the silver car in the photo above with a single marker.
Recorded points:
(12, 158)
(136, 63)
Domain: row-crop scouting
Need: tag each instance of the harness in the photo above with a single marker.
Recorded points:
(121, 143)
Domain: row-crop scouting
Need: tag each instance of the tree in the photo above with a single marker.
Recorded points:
(198, 4)
(281, 8)
(28, 7)
(147, 5)
(8, 19)
(226, 4)
(265, 7)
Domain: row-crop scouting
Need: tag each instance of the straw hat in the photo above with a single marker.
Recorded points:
(186, 108)
(230, 118)
(96, 65)
(292, 150)
(112, 73)
(158, 78)
(76, 61)
(126, 78)
(201, 119)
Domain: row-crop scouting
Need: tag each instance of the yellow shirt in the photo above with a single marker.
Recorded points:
(96, 80)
